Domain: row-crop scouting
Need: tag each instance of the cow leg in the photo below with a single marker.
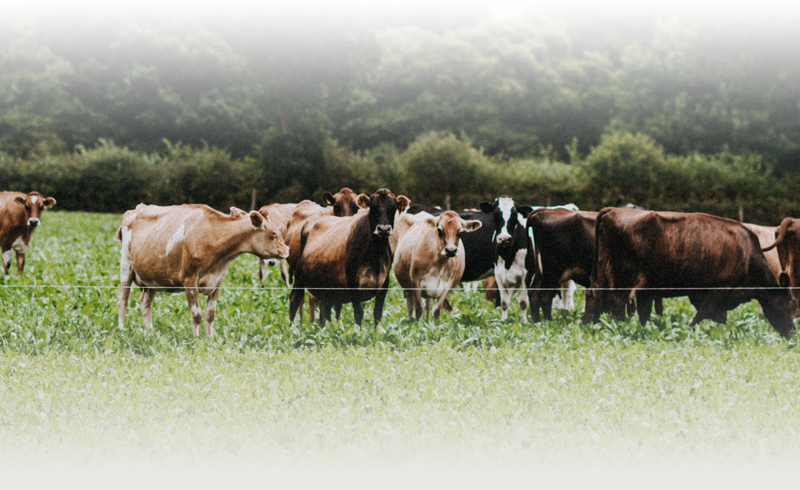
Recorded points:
(409, 304)
(324, 312)
(262, 270)
(6, 260)
(644, 306)
(417, 299)
(211, 311)
(337, 308)
(284, 272)
(533, 301)
(523, 302)
(296, 301)
(126, 276)
(20, 262)
(312, 307)
(505, 300)
(659, 304)
(193, 299)
(358, 312)
(146, 305)
(427, 308)
(547, 305)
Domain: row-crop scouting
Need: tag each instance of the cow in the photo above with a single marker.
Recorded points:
(716, 262)
(279, 214)
(510, 249)
(343, 203)
(347, 259)
(188, 248)
(786, 243)
(561, 249)
(20, 215)
(429, 259)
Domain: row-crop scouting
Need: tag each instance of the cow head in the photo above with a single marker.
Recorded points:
(382, 209)
(270, 245)
(34, 203)
(507, 216)
(344, 202)
(779, 307)
(450, 227)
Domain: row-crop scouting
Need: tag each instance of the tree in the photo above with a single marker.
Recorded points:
(513, 86)
(179, 81)
(32, 86)
(608, 25)
(303, 57)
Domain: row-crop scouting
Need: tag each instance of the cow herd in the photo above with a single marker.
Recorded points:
(627, 259)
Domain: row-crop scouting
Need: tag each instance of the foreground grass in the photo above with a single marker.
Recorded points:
(469, 388)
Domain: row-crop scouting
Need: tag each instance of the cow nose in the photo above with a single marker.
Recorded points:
(503, 240)
(34, 222)
(450, 250)
(383, 230)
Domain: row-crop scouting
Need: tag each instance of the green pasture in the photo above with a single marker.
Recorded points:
(468, 388)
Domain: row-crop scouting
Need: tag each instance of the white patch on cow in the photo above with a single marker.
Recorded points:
(511, 279)
(176, 238)
(196, 310)
(506, 205)
(19, 246)
(6, 258)
(34, 199)
(567, 299)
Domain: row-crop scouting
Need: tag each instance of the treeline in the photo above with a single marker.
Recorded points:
(435, 169)
(675, 110)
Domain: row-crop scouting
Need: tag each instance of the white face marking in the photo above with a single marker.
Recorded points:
(505, 204)
(34, 199)
(176, 238)
(19, 245)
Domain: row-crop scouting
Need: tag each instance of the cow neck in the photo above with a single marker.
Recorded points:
(233, 241)
(374, 247)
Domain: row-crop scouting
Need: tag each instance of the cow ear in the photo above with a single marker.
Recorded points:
(236, 212)
(327, 198)
(783, 279)
(487, 207)
(402, 203)
(472, 224)
(49, 202)
(431, 222)
(363, 201)
(256, 219)
(19, 200)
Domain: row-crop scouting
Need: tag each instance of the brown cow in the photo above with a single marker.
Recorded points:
(429, 259)
(787, 246)
(766, 237)
(188, 248)
(20, 214)
(279, 214)
(343, 203)
(347, 260)
(715, 261)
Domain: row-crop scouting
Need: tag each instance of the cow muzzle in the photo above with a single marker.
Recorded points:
(33, 222)
(383, 230)
(450, 251)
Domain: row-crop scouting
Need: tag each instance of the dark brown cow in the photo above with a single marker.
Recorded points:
(20, 214)
(562, 243)
(715, 261)
(188, 249)
(347, 260)
(787, 245)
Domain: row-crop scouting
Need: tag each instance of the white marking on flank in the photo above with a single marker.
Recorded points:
(176, 238)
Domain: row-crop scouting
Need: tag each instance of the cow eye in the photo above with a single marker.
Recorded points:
(441, 232)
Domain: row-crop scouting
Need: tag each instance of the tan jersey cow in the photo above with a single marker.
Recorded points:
(279, 214)
(429, 259)
(20, 214)
(188, 248)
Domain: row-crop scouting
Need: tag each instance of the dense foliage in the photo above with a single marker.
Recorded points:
(290, 106)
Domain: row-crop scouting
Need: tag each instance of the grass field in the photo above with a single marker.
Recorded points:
(468, 389)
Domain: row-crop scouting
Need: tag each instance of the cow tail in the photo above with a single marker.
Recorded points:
(778, 240)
